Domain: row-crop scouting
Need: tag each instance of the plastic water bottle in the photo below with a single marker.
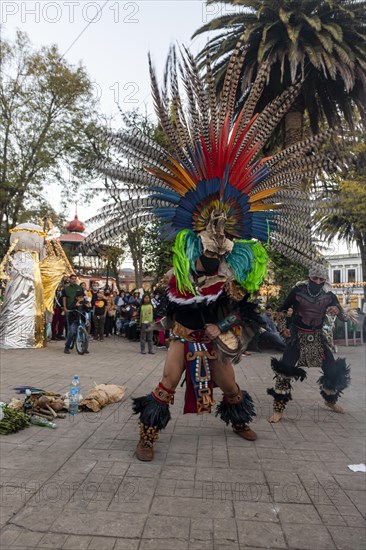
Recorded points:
(74, 396)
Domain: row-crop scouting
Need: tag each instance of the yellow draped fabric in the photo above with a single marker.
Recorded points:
(39, 336)
(52, 270)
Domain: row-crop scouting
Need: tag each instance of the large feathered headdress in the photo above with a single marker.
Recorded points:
(211, 178)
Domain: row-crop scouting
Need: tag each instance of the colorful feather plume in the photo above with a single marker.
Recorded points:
(213, 163)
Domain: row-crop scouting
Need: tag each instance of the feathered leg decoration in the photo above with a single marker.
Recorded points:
(335, 379)
(238, 410)
(154, 416)
(283, 374)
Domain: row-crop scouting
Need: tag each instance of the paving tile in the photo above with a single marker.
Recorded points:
(191, 507)
(30, 516)
(346, 538)
(144, 470)
(256, 511)
(82, 486)
(133, 495)
(127, 544)
(158, 544)
(303, 537)
(286, 487)
(298, 513)
(107, 543)
(8, 535)
(263, 535)
(355, 481)
(202, 530)
(181, 472)
(28, 539)
(75, 542)
(226, 545)
(354, 521)
(156, 527)
(113, 524)
(200, 544)
(52, 540)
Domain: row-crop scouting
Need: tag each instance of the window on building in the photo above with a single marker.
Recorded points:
(351, 275)
(337, 276)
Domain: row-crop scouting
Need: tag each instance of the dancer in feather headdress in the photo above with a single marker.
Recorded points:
(220, 200)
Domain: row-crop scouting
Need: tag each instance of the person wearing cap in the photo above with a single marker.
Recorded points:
(311, 300)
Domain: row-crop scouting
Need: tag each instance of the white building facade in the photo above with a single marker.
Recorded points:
(345, 274)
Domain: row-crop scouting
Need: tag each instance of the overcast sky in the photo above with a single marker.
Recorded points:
(111, 38)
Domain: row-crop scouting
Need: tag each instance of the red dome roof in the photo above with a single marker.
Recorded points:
(76, 225)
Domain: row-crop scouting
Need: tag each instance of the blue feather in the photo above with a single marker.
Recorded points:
(241, 260)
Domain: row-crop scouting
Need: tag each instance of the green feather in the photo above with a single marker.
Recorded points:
(259, 270)
(181, 262)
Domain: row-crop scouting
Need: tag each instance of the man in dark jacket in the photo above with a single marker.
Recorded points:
(311, 300)
(79, 307)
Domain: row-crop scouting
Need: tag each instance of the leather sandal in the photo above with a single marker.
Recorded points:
(244, 431)
(144, 452)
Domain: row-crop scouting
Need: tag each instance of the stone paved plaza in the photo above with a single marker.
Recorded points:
(80, 486)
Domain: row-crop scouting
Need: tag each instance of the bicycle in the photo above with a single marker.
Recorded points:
(81, 338)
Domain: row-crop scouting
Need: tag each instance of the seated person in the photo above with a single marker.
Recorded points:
(268, 335)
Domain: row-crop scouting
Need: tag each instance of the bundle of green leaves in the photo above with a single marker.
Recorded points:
(13, 420)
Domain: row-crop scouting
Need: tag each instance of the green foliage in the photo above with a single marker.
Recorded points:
(13, 420)
(148, 252)
(34, 212)
(48, 115)
(346, 192)
(157, 256)
(323, 42)
(113, 257)
(285, 274)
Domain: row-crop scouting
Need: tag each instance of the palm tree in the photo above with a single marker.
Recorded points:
(322, 42)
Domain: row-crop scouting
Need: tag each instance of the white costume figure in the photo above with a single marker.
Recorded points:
(22, 312)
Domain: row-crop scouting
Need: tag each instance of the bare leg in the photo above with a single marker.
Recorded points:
(174, 365)
(154, 413)
(224, 376)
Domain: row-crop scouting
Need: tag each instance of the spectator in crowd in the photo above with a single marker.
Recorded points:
(156, 301)
(146, 320)
(79, 307)
(159, 336)
(94, 292)
(69, 295)
(88, 298)
(94, 296)
(111, 314)
(86, 291)
(124, 317)
(58, 320)
(99, 315)
(135, 298)
(131, 331)
(120, 300)
(270, 333)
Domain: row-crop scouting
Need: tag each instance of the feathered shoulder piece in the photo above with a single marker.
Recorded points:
(211, 179)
